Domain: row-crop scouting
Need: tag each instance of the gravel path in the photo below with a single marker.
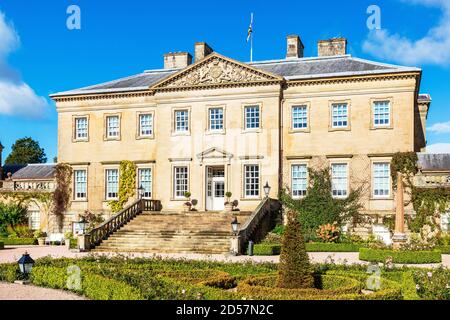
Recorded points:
(27, 292)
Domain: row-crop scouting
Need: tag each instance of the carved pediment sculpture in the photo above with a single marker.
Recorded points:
(216, 70)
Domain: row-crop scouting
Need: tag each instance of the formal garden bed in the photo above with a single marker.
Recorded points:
(395, 256)
(156, 279)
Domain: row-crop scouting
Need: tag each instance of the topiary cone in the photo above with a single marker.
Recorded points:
(294, 270)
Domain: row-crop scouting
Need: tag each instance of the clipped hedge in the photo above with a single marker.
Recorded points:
(267, 249)
(332, 247)
(9, 272)
(328, 287)
(409, 257)
(444, 249)
(93, 286)
(19, 241)
(2, 245)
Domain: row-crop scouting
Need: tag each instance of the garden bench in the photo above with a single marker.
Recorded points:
(55, 238)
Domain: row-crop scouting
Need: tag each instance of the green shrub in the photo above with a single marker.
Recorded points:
(444, 249)
(410, 257)
(19, 241)
(267, 249)
(409, 290)
(2, 245)
(9, 272)
(93, 286)
(294, 269)
(332, 247)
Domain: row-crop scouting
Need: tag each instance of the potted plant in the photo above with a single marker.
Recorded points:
(67, 238)
(194, 202)
(235, 204)
(187, 205)
(40, 236)
(228, 203)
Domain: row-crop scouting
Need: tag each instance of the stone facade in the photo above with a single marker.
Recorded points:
(217, 89)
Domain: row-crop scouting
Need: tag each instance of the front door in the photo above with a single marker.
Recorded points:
(215, 189)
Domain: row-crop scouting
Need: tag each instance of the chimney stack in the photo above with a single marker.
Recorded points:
(295, 47)
(202, 50)
(177, 60)
(332, 47)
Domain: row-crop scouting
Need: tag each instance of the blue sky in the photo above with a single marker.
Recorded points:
(40, 56)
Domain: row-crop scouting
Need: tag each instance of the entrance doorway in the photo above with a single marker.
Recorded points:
(215, 188)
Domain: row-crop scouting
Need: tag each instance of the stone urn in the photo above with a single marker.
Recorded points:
(41, 241)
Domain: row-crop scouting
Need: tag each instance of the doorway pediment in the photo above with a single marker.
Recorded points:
(214, 154)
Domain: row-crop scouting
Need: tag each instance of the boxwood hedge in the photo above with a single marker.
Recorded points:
(19, 241)
(2, 245)
(265, 249)
(409, 257)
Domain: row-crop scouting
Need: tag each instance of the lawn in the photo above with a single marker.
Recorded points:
(156, 279)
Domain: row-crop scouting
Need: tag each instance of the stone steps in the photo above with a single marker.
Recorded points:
(164, 232)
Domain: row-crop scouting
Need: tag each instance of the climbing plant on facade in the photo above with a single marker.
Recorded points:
(63, 191)
(127, 185)
(428, 204)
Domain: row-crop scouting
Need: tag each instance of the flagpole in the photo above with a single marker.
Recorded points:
(251, 41)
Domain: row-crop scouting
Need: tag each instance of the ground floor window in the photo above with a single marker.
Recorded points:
(181, 181)
(339, 180)
(251, 181)
(34, 220)
(299, 180)
(145, 181)
(381, 179)
(112, 183)
(80, 184)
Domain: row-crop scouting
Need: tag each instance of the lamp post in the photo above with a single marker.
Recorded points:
(26, 263)
(141, 191)
(267, 189)
(235, 226)
(81, 226)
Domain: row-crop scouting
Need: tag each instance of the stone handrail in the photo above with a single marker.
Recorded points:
(247, 230)
(97, 235)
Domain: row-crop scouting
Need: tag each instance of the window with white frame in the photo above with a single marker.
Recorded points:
(339, 180)
(81, 128)
(339, 113)
(145, 181)
(145, 125)
(381, 113)
(251, 181)
(216, 119)
(112, 183)
(381, 179)
(34, 218)
(80, 179)
(299, 180)
(299, 117)
(181, 121)
(252, 120)
(180, 181)
(112, 126)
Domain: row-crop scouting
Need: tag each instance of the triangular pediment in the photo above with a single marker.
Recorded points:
(216, 70)
(214, 153)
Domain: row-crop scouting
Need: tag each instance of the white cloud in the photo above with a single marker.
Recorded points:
(433, 48)
(443, 127)
(438, 148)
(16, 97)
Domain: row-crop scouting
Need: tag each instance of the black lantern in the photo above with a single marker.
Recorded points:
(81, 226)
(26, 264)
(141, 191)
(235, 225)
(267, 189)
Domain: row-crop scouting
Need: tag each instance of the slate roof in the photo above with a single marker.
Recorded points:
(290, 69)
(434, 162)
(35, 172)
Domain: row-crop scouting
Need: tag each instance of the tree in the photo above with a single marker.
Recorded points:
(294, 270)
(25, 151)
(12, 215)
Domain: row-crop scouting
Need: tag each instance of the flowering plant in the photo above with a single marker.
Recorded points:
(329, 232)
